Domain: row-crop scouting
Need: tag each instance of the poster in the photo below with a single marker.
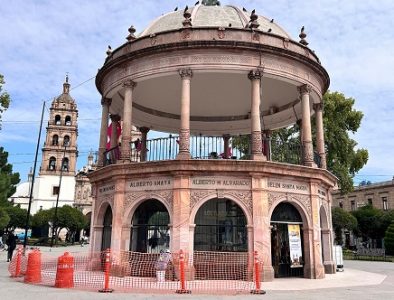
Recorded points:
(295, 246)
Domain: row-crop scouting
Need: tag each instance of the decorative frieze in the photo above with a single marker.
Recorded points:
(165, 196)
(303, 200)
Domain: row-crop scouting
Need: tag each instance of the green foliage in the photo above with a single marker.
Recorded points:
(285, 145)
(389, 239)
(370, 222)
(67, 217)
(17, 216)
(342, 220)
(8, 180)
(340, 119)
(4, 98)
(4, 218)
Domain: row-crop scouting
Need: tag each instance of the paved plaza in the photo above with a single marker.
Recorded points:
(360, 280)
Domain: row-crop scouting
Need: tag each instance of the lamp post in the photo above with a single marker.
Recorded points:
(54, 223)
(32, 180)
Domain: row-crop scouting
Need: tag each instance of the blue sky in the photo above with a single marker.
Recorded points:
(42, 40)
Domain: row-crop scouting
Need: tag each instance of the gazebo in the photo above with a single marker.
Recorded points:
(208, 76)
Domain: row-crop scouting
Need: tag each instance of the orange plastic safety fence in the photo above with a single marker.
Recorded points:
(203, 271)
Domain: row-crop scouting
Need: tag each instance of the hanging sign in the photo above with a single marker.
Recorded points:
(295, 246)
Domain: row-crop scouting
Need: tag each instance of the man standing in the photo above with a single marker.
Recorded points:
(11, 243)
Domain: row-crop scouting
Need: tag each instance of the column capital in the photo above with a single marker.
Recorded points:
(318, 106)
(256, 74)
(106, 101)
(304, 89)
(186, 73)
(115, 118)
(129, 84)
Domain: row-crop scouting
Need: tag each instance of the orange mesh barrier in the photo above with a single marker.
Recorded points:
(203, 271)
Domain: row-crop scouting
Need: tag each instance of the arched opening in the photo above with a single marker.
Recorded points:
(68, 121)
(220, 226)
(107, 230)
(57, 120)
(66, 140)
(52, 164)
(149, 228)
(286, 241)
(65, 164)
(55, 140)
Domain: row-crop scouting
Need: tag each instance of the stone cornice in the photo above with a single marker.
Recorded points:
(240, 39)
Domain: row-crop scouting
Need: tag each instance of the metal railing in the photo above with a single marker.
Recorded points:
(202, 147)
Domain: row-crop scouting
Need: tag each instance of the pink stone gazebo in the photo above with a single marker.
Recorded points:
(204, 75)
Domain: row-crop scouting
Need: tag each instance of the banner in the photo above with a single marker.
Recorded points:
(295, 246)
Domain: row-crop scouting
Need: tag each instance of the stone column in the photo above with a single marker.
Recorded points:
(261, 226)
(129, 85)
(267, 143)
(316, 246)
(318, 107)
(307, 147)
(114, 138)
(105, 103)
(184, 130)
(117, 217)
(255, 77)
(226, 152)
(180, 234)
(144, 134)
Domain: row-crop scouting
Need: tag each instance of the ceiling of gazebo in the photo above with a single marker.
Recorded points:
(219, 103)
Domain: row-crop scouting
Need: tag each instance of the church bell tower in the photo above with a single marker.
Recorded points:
(59, 153)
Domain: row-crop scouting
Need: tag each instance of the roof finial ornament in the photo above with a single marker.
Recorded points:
(210, 2)
(187, 22)
(253, 20)
(131, 36)
(302, 37)
(66, 85)
(109, 50)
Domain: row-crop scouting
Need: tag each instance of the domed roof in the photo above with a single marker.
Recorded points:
(65, 97)
(22, 190)
(212, 16)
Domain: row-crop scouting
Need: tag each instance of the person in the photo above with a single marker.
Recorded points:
(11, 243)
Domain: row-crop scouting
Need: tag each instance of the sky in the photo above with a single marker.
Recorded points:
(42, 40)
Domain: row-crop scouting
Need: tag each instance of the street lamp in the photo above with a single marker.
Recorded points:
(62, 167)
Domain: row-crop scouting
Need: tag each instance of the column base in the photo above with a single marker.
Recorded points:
(183, 155)
(267, 274)
(259, 157)
(329, 267)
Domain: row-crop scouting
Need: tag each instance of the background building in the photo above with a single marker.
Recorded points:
(380, 195)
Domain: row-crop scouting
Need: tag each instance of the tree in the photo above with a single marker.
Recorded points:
(17, 216)
(4, 219)
(370, 222)
(389, 239)
(4, 98)
(340, 119)
(68, 217)
(342, 220)
(8, 180)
